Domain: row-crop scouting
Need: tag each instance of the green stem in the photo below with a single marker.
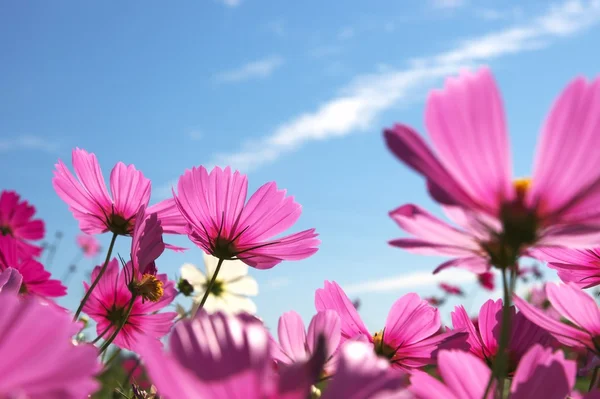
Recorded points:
(95, 282)
(594, 380)
(210, 286)
(109, 341)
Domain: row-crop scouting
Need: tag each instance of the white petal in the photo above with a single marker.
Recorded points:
(244, 286)
(237, 304)
(230, 269)
(193, 275)
(214, 304)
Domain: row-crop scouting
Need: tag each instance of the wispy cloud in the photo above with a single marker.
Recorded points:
(195, 135)
(411, 281)
(231, 3)
(28, 142)
(259, 69)
(277, 27)
(357, 107)
(448, 3)
(490, 14)
(277, 283)
(346, 33)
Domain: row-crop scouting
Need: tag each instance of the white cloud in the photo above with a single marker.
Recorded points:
(412, 281)
(490, 14)
(259, 69)
(357, 107)
(346, 33)
(231, 3)
(277, 282)
(448, 3)
(277, 27)
(28, 142)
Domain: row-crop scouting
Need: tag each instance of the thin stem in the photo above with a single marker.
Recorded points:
(95, 282)
(594, 380)
(112, 357)
(109, 341)
(52, 250)
(101, 334)
(210, 285)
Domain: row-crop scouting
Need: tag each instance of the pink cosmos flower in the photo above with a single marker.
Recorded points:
(363, 375)
(579, 266)
(434, 301)
(484, 339)
(472, 170)
(10, 281)
(486, 280)
(539, 299)
(135, 371)
(36, 280)
(223, 225)
(98, 212)
(574, 305)
(296, 345)
(451, 289)
(222, 356)
(147, 242)
(108, 304)
(16, 223)
(410, 337)
(88, 244)
(540, 374)
(39, 360)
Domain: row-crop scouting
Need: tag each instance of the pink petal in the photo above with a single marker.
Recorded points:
(580, 266)
(292, 336)
(327, 325)
(332, 297)
(467, 126)
(10, 281)
(296, 246)
(406, 144)
(576, 306)
(466, 375)
(564, 333)
(88, 172)
(475, 264)
(130, 190)
(421, 224)
(410, 320)
(425, 386)
(461, 320)
(147, 243)
(566, 177)
(543, 374)
(170, 217)
(490, 320)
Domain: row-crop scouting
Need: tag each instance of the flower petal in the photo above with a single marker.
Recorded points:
(334, 298)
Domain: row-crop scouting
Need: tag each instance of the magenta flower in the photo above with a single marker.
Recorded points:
(88, 244)
(539, 299)
(223, 225)
(36, 280)
(574, 305)
(472, 170)
(540, 374)
(39, 359)
(410, 337)
(486, 280)
(484, 339)
(108, 304)
(363, 375)
(451, 289)
(10, 281)
(98, 212)
(221, 356)
(147, 242)
(298, 345)
(16, 223)
(579, 266)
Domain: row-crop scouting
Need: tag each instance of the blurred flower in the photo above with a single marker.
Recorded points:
(10, 281)
(223, 226)
(471, 170)
(88, 244)
(298, 345)
(98, 212)
(108, 305)
(484, 340)
(574, 305)
(486, 280)
(410, 337)
(222, 356)
(434, 301)
(36, 280)
(16, 223)
(451, 289)
(540, 374)
(230, 290)
(539, 299)
(579, 266)
(39, 359)
(135, 371)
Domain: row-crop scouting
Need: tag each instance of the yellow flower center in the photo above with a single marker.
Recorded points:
(381, 348)
(149, 288)
(522, 185)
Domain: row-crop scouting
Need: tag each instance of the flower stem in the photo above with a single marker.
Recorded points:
(95, 282)
(210, 285)
(118, 329)
(594, 380)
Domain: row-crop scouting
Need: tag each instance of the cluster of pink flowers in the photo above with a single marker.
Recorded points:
(514, 348)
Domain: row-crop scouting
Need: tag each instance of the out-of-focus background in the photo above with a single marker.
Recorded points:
(292, 91)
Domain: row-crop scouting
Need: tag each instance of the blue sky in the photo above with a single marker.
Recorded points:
(295, 92)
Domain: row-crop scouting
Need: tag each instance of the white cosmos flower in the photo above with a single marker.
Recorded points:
(232, 287)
